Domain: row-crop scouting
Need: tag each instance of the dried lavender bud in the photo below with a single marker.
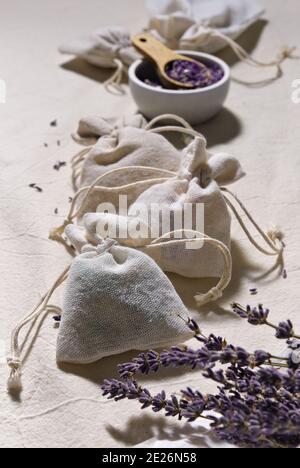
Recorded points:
(59, 164)
(285, 330)
(253, 291)
(255, 316)
(53, 123)
(36, 187)
(145, 398)
(291, 381)
(46, 145)
(58, 142)
(284, 274)
(159, 402)
(193, 326)
(261, 357)
(173, 407)
(56, 211)
(215, 343)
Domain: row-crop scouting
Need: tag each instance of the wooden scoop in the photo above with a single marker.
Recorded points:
(161, 55)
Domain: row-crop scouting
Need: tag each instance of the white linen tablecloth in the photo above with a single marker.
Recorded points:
(63, 407)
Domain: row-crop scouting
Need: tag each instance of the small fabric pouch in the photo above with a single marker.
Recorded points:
(128, 151)
(196, 185)
(184, 24)
(116, 300)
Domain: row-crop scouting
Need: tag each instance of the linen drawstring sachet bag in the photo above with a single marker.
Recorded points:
(157, 301)
(209, 26)
(195, 185)
(116, 299)
(183, 23)
(128, 153)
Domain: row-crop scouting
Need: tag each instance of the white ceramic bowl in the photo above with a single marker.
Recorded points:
(195, 106)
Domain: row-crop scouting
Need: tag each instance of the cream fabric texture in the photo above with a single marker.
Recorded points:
(189, 24)
(63, 407)
(103, 47)
(116, 300)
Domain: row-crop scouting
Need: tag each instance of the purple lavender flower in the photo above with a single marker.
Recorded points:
(285, 330)
(255, 316)
(257, 404)
(159, 401)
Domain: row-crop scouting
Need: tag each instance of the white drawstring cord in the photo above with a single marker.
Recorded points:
(272, 239)
(244, 56)
(216, 292)
(14, 361)
(114, 82)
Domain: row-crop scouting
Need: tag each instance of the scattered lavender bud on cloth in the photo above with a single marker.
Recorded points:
(257, 404)
(284, 274)
(53, 123)
(58, 165)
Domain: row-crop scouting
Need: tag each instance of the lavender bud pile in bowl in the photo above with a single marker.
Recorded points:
(196, 105)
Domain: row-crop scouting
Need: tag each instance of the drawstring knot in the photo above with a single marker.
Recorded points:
(56, 233)
(14, 381)
(14, 363)
(287, 53)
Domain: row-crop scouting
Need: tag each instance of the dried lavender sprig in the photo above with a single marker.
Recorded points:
(246, 421)
(259, 316)
(216, 350)
(256, 408)
(130, 389)
(203, 359)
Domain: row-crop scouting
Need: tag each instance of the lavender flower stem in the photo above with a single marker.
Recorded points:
(279, 358)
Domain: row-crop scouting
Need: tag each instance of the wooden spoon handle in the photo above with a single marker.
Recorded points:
(154, 50)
